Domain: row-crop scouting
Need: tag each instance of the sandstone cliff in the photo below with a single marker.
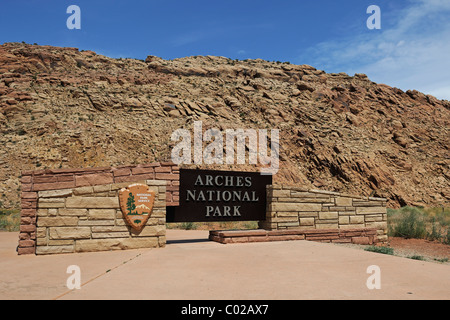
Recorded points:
(60, 107)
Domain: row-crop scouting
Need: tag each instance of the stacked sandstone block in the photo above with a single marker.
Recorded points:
(356, 236)
(87, 219)
(58, 179)
(291, 208)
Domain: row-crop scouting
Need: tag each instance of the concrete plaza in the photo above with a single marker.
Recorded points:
(193, 268)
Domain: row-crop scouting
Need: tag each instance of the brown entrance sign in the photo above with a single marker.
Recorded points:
(207, 195)
(136, 203)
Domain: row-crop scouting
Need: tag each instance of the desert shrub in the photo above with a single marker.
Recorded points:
(416, 257)
(408, 223)
(436, 231)
(418, 222)
(9, 220)
(250, 225)
(188, 226)
(446, 239)
(383, 250)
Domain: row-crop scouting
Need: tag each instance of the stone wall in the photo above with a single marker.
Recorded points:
(356, 236)
(292, 208)
(89, 219)
(34, 182)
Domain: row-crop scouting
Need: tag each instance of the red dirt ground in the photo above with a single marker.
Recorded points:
(420, 247)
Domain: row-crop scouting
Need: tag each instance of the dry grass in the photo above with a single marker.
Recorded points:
(420, 223)
(241, 225)
(9, 220)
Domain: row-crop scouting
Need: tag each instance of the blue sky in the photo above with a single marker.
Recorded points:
(410, 51)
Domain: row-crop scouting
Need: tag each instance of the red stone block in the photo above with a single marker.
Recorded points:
(285, 232)
(122, 172)
(26, 243)
(27, 187)
(168, 163)
(29, 195)
(45, 179)
(93, 179)
(163, 170)
(215, 238)
(26, 179)
(29, 204)
(65, 171)
(342, 240)
(140, 170)
(172, 188)
(258, 239)
(25, 220)
(146, 176)
(95, 170)
(241, 233)
(361, 240)
(352, 234)
(153, 164)
(28, 213)
(321, 237)
(128, 179)
(53, 186)
(27, 250)
(65, 178)
(286, 238)
(167, 176)
(24, 236)
(237, 240)
(28, 228)
(321, 231)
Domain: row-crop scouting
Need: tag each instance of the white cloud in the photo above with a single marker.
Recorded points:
(191, 37)
(413, 53)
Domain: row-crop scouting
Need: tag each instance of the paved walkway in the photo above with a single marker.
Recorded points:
(192, 268)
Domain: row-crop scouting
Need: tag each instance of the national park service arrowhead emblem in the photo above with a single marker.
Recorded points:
(136, 202)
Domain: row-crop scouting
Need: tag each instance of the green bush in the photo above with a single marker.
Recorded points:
(416, 257)
(383, 250)
(436, 231)
(409, 223)
(418, 222)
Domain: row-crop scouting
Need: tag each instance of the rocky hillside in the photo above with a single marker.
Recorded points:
(60, 107)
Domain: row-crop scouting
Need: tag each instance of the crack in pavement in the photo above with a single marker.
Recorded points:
(98, 276)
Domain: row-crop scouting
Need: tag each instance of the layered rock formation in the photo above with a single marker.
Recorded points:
(62, 108)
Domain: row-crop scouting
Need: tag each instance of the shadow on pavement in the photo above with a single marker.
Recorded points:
(186, 241)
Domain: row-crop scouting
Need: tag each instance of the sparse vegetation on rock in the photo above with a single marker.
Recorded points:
(61, 108)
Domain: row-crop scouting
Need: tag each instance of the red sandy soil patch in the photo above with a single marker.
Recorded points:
(419, 247)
